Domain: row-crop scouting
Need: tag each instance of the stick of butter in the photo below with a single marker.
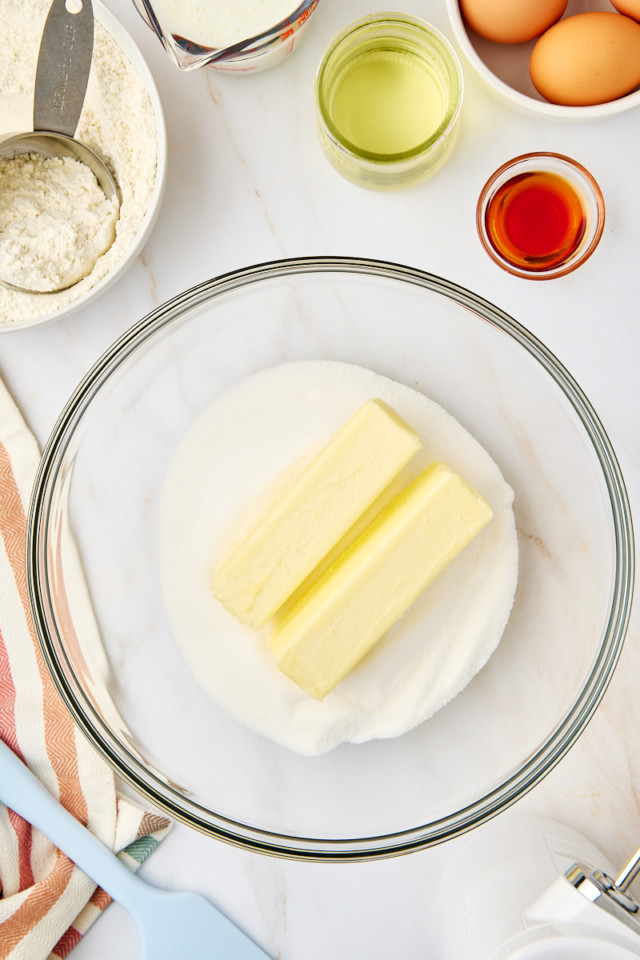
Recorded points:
(376, 580)
(314, 512)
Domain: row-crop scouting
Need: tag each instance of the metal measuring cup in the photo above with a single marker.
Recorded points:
(62, 74)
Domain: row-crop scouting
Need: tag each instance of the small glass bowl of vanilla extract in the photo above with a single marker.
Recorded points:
(540, 215)
(388, 95)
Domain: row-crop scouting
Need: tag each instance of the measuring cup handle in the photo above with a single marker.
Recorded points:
(64, 62)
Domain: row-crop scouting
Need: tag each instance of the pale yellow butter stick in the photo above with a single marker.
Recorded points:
(314, 512)
(372, 584)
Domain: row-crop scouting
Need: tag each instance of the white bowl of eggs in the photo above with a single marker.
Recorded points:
(569, 59)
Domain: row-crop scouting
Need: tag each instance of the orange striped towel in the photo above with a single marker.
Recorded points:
(46, 902)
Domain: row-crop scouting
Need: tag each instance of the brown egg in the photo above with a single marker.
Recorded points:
(586, 59)
(511, 21)
(630, 8)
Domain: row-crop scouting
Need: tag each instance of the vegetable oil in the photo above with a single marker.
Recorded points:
(388, 95)
(387, 101)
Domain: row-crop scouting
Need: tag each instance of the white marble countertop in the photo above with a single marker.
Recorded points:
(247, 183)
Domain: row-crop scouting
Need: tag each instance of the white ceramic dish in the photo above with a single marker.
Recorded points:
(132, 52)
(504, 69)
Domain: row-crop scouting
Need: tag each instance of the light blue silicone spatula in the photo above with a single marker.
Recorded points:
(169, 924)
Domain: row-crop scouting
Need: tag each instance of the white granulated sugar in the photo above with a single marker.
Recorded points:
(220, 23)
(230, 464)
(55, 221)
(117, 122)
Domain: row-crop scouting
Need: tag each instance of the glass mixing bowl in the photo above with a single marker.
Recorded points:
(95, 509)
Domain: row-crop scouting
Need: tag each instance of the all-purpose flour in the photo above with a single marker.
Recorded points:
(229, 465)
(117, 122)
(55, 221)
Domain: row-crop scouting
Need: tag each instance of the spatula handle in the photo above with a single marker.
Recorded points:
(21, 790)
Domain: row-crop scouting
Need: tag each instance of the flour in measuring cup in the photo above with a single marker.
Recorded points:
(117, 122)
(55, 221)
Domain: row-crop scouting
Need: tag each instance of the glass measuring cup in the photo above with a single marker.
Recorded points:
(264, 49)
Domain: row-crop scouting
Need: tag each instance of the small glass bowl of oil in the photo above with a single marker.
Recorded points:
(388, 97)
(540, 216)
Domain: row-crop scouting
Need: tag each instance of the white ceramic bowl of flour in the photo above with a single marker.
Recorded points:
(122, 120)
(177, 724)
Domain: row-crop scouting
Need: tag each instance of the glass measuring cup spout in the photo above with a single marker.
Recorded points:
(262, 50)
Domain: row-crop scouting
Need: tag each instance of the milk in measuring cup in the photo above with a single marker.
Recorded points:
(221, 23)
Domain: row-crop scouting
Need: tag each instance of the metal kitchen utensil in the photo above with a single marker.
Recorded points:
(62, 74)
(608, 893)
(170, 924)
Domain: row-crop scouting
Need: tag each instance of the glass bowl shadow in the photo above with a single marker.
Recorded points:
(93, 519)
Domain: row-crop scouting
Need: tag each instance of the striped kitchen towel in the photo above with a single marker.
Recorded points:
(46, 902)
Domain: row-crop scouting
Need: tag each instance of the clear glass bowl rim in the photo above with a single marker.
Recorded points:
(244, 835)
